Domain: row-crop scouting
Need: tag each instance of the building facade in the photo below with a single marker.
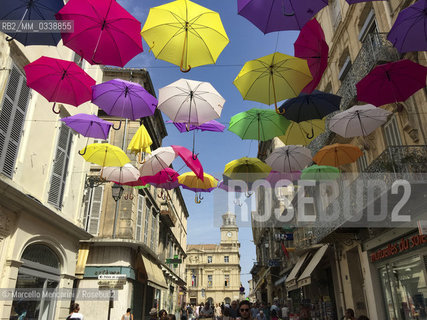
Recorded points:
(213, 270)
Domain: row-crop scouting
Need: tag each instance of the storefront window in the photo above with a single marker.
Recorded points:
(405, 291)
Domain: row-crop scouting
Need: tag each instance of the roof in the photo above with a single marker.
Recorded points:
(202, 246)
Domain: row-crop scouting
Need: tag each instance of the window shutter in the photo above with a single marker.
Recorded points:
(392, 135)
(95, 212)
(12, 116)
(147, 217)
(140, 212)
(60, 166)
(153, 230)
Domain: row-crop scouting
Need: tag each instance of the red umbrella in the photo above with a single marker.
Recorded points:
(391, 82)
(104, 32)
(190, 160)
(59, 81)
(311, 45)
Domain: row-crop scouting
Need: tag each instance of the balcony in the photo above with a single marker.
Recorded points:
(167, 215)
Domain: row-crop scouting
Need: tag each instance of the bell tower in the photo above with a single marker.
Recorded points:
(229, 228)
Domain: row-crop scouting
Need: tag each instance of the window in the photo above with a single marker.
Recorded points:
(153, 230)
(210, 281)
(209, 259)
(139, 214)
(226, 259)
(60, 167)
(193, 278)
(335, 13)
(146, 221)
(391, 133)
(345, 68)
(92, 209)
(226, 280)
(362, 162)
(78, 60)
(12, 116)
(368, 27)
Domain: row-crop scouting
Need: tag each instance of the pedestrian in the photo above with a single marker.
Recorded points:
(190, 312)
(206, 311)
(128, 315)
(153, 314)
(254, 310)
(183, 314)
(226, 314)
(349, 314)
(363, 318)
(285, 312)
(274, 315)
(244, 309)
(75, 312)
(218, 312)
(260, 315)
(163, 314)
(234, 311)
(171, 316)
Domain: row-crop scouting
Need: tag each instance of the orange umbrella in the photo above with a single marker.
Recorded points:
(337, 154)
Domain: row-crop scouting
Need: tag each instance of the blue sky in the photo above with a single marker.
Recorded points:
(215, 149)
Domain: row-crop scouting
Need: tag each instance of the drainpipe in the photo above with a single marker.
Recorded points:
(340, 284)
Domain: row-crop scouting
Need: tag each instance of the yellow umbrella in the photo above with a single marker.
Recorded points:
(247, 169)
(105, 155)
(273, 78)
(190, 181)
(302, 133)
(184, 33)
(140, 142)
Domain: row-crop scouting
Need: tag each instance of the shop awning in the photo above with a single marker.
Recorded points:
(261, 280)
(81, 260)
(155, 277)
(305, 278)
(281, 280)
(291, 281)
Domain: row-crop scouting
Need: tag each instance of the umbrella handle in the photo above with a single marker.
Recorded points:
(312, 134)
(278, 110)
(53, 109)
(249, 194)
(10, 38)
(200, 196)
(183, 70)
(238, 203)
(120, 125)
(197, 200)
(84, 151)
(194, 156)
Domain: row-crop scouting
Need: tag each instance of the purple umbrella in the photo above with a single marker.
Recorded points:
(274, 177)
(277, 15)
(409, 32)
(357, 1)
(124, 99)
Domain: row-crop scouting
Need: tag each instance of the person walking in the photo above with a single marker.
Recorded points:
(153, 314)
(163, 314)
(254, 310)
(206, 312)
(128, 315)
(285, 312)
(349, 314)
(75, 312)
(245, 310)
(234, 311)
(218, 312)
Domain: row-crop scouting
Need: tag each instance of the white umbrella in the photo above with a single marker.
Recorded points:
(289, 158)
(127, 173)
(358, 120)
(191, 102)
(160, 159)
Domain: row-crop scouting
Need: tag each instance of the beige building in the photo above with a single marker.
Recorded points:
(213, 270)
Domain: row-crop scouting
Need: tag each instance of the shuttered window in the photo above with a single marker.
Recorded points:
(335, 12)
(139, 214)
(78, 60)
(153, 231)
(362, 162)
(12, 116)
(147, 217)
(60, 167)
(92, 209)
(392, 134)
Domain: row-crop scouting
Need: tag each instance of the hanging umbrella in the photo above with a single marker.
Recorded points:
(357, 1)
(59, 81)
(315, 105)
(311, 45)
(164, 176)
(289, 158)
(272, 78)
(127, 173)
(302, 133)
(409, 30)
(160, 159)
(278, 15)
(246, 169)
(191, 102)
(124, 99)
(104, 32)
(275, 176)
(141, 142)
(391, 82)
(185, 34)
(88, 125)
(190, 181)
(317, 173)
(190, 160)
(358, 121)
(337, 154)
(105, 155)
(26, 11)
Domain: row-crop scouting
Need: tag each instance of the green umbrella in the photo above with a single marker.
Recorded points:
(316, 172)
(258, 124)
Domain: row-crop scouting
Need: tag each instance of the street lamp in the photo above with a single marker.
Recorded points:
(116, 192)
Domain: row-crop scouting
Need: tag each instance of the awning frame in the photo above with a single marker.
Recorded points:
(305, 277)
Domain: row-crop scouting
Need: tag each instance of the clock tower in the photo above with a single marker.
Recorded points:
(229, 229)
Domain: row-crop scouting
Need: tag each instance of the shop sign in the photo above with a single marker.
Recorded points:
(111, 284)
(402, 245)
(96, 271)
(274, 263)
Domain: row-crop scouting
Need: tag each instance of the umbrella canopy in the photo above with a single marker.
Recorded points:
(406, 33)
(311, 45)
(357, 1)
(185, 34)
(289, 158)
(160, 159)
(105, 155)
(274, 177)
(273, 78)
(258, 124)
(141, 141)
(59, 81)
(192, 162)
(213, 126)
(246, 169)
(391, 82)
(190, 181)
(27, 10)
(358, 121)
(302, 133)
(164, 176)
(89, 125)
(317, 173)
(191, 102)
(127, 173)
(277, 15)
(104, 32)
(124, 99)
(337, 154)
(315, 105)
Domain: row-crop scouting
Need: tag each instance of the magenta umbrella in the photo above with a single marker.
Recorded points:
(162, 177)
(311, 46)
(391, 82)
(104, 32)
(193, 163)
(59, 81)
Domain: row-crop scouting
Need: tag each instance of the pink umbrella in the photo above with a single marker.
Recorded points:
(59, 81)
(391, 82)
(192, 162)
(104, 32)
(274, 176)
(164, 176)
